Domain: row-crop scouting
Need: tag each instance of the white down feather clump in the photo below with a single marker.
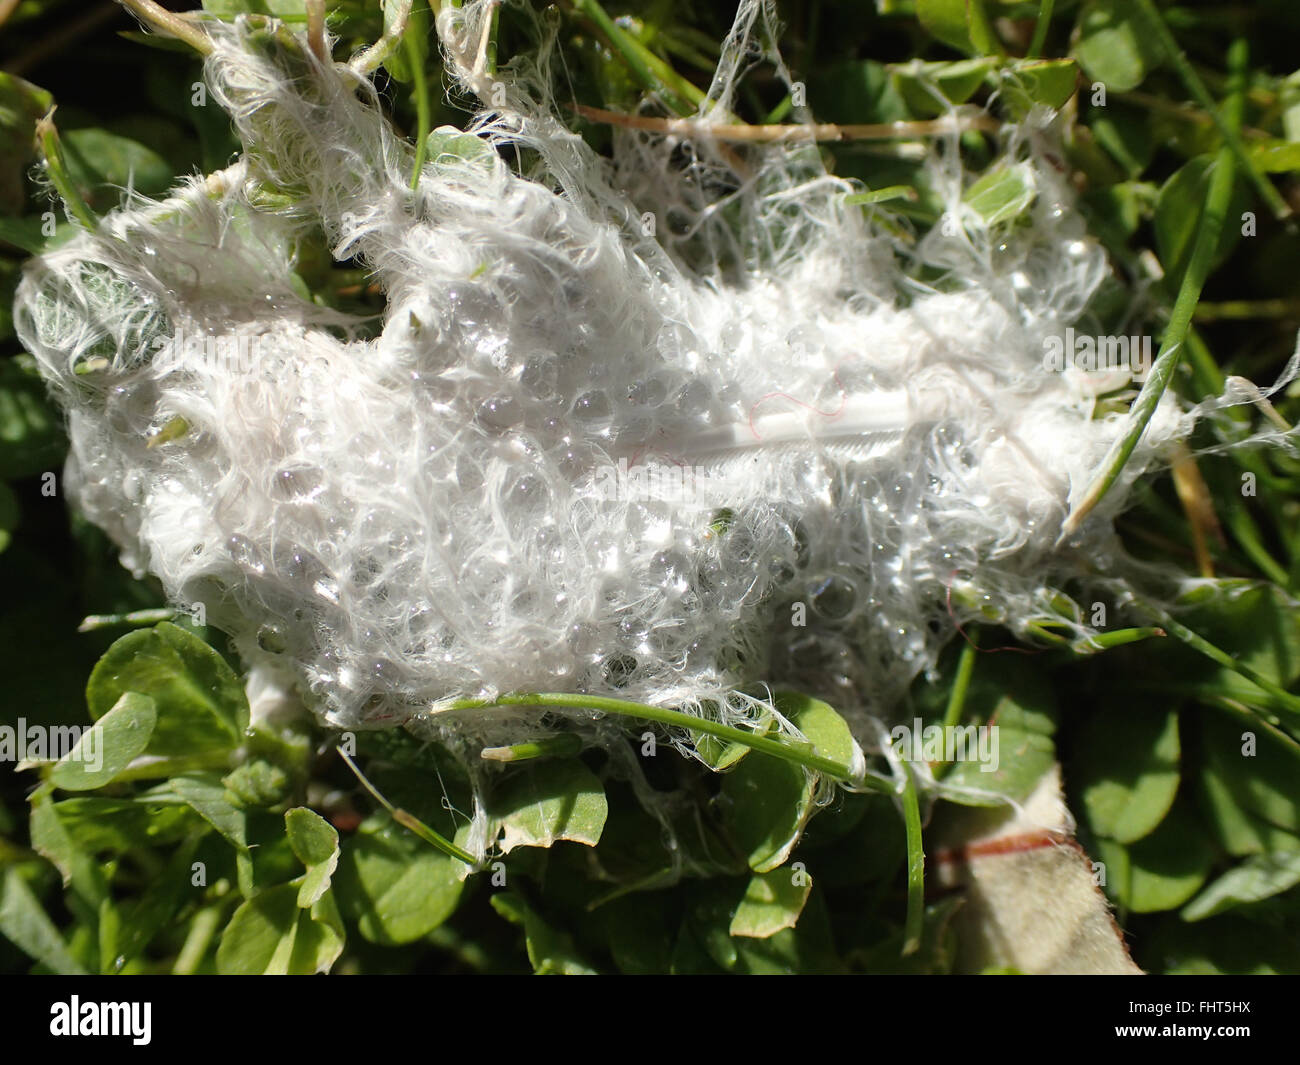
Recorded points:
(585, 452)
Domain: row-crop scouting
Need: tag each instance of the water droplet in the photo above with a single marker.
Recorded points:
(271, 639)
(833, 597)
(500, 412)
(244, 553)
(592, 407)
(648, 393)
(298, 483)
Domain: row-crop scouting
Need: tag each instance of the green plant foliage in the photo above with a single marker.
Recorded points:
(184, 833)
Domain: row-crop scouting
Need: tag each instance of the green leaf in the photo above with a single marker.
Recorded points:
(717, 754)
(772, 901)
(395, 887)
(1002, 194)
(550, 951)
(1259, 877)
(313, 839)
(709, 914)
(22, 104)
(27, 233)
(98, 825)
(108, 746)
(541, 804)
(961, 24)
(50, 839)
(807, 948)
(1128, 771)
(1237, 831)
(24, 923)
(882, 195)
(769, 801)
(1025, 720)
(1112, 47)
(269, 934)
(720, 755)
(101, 163)
(208, 797)
(1274, 156)
(1126, 134)
(200, 702)
(1027, 83)
(1228, 944)
(31, 433)
(1289, 98)
(315, 842)
(640, 934)
(1258, 769)
(144, 917)
(857, 91)
(1161, 871)
(931, 89)
(1179, 211)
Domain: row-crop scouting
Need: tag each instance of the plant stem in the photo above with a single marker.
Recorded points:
(891, 192)
(800, 754)
(1246, 310)
(957, 696)
(136, 617)
(914, 922)
(1119, 637)
(373, 57)
(202, 928)
(819, 131)
(961, 682)
(167, 767)
(316, 30)
(422, 121)
(168, 22)
(409, 820)
(1180, 318)
(652, 72)
(56, 166)
(490, 51)
(566, 745)
(1040, 29)
(1288, 701)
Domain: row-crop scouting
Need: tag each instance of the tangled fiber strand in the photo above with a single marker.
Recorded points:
(478, 500)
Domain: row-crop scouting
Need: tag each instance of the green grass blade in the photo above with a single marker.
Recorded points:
(1229, 128)
(1180, 318)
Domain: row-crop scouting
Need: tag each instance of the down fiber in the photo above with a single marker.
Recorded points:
(671, 426)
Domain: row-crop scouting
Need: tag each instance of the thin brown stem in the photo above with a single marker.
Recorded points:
(168, 22)
(819, 131)
(7, 9)
(316, 29)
